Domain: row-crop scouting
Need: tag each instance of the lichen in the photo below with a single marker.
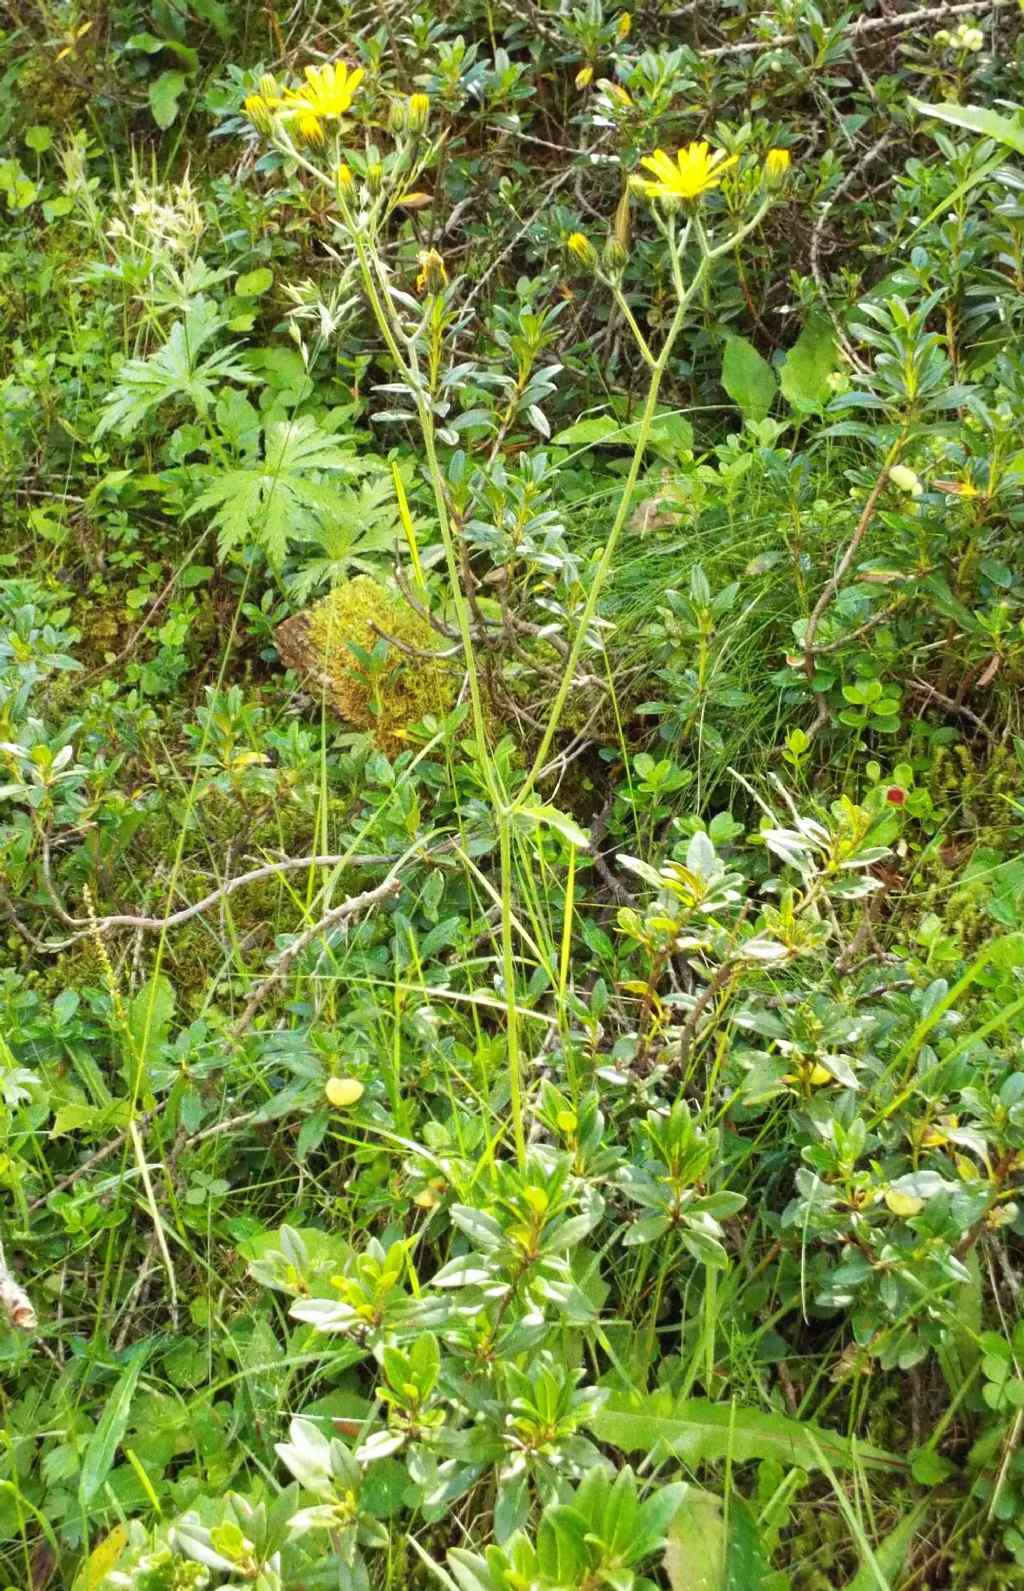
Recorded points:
(386, 697)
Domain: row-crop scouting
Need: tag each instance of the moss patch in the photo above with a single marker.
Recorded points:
(351, 646)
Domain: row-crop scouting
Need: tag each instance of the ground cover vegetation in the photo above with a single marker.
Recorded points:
(511, 795)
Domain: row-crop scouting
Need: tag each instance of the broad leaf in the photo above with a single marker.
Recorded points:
(747, 378)
(699, 1432)
(164, 94)
(711, 1549)
(808, 365)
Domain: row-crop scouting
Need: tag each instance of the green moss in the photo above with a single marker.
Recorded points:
(388, 697)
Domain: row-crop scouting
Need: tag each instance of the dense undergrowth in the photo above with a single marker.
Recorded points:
(511, 796)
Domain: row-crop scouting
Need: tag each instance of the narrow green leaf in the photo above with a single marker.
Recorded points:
(105, 1440)
(699, 1431)
(977, 119)
(890, 1554)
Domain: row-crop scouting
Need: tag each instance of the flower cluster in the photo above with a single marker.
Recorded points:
(696, 170)
(325, 96)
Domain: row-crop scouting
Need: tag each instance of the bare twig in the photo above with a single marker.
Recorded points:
(159, 924)
(338, 914)
(924, 689)
(894, 23)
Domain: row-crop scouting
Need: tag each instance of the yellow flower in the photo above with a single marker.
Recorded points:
(344, 180)
(418, 112)
(433, 277)
(342, 1092)
(310, 128)
(258, 111)
(625, 23)
(582, 249)
(776, 167)
(693, 171)
(937, 1135)
(328, 91)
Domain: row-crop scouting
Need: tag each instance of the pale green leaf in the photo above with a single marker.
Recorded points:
(98, 1460)
(808, 365)
(699, 1431)
(748, 378)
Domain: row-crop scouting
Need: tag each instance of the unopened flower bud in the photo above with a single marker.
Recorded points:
(310, 129)
(397, 120)
(614, 256)
(776, 167)
(581, 249)
(418, 112)
(906, 480)
(344, 181)
(625, 24)
(270, 88)
(375, 177)
(258, 112)
(433, 277)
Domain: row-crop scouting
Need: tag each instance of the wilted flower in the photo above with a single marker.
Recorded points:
(433, 277)
(776, 167)
(581, 249)
(614, 255)
(693, 171)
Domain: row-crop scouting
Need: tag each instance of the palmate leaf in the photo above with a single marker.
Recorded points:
(360, 524)
(174, 371)
(278, 497)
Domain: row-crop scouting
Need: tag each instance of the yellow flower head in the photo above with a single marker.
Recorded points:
(776, 167)
(433, 277)
(258, 111)
(309, 128)
(418, 112)
(581, 249)
(693, 171)
(327, 92)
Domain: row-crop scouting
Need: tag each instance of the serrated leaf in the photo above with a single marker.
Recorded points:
(699, 1431)
(175, 371)
(278, 498)
(747, 378)
(253, 283)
